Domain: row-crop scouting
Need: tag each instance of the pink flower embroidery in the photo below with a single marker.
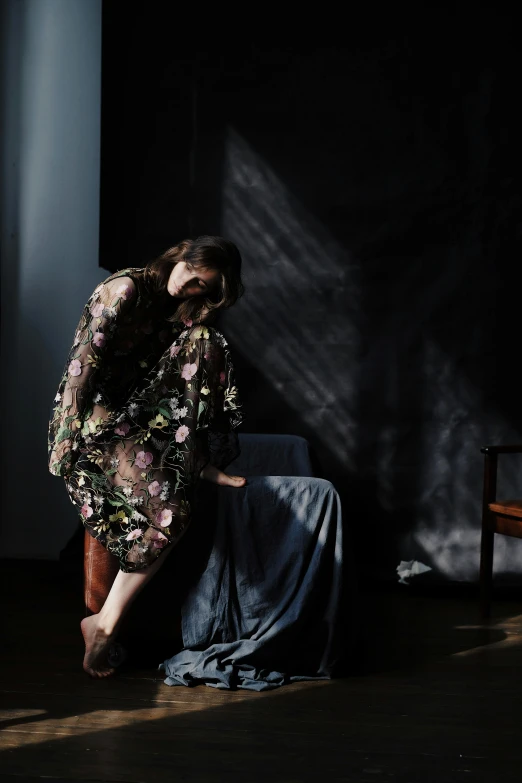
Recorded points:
(222, 377)
(154, 488)
(98, 339)
(181, 433)
(124, 291)
(75, 367)
(86, 511)
(143, 458)
(188, 371)
(158, 539)
(174, 350)
(188, 321)
(134, 534)
(164, 518)
(122, 429)
(97, 310)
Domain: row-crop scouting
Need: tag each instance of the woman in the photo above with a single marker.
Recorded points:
(147, 405)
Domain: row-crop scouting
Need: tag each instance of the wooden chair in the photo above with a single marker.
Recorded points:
(498, 516)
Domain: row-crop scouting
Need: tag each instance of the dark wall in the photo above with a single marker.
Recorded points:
(373, 187)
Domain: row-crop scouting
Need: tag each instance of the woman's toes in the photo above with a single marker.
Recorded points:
(98, 674)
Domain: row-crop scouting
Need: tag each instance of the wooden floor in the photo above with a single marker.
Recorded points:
(436, 697)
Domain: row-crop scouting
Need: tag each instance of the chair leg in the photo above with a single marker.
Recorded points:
(99, 571)
(489, 493)
(486, 570)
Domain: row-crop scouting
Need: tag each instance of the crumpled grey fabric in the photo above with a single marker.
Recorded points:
(265, 608)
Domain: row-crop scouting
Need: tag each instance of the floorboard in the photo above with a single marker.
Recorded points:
(433, 695)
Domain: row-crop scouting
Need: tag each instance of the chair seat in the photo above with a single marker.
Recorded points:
(512, 508)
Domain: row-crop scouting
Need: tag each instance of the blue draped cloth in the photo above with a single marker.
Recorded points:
(265, 609)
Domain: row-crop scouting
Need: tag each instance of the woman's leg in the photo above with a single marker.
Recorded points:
(100, 629)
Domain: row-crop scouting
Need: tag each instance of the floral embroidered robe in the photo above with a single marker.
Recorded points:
(142, 406)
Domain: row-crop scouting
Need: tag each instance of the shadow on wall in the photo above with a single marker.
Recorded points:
(370, 253)
(397, 422)
(372, 188)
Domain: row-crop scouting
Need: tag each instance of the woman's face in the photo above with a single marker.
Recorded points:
(186, 281)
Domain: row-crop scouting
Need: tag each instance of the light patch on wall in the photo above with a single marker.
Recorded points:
(292, 324)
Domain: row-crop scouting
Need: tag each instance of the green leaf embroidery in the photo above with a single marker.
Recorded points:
(63, 434)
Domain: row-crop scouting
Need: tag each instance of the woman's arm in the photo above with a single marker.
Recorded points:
(96, 329)
(220, 414)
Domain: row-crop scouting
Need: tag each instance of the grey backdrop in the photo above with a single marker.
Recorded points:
(372, 184)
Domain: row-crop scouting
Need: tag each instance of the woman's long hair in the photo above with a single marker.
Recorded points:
(205, 252)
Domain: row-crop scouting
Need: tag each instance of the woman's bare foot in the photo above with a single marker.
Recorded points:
(97, 643)
(216, 476)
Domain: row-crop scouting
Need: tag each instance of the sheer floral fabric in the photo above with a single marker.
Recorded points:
(142, 406)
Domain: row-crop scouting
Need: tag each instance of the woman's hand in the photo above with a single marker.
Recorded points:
(216, 476)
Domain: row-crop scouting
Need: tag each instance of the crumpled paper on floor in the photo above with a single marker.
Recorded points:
(408, 568)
